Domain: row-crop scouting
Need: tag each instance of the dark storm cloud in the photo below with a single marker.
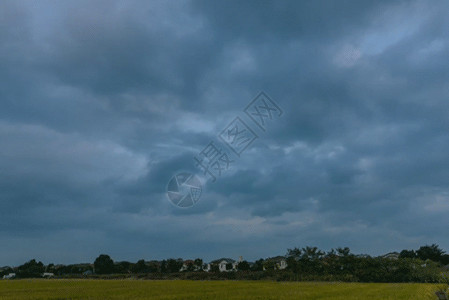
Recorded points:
(289, 19)
(102, 102)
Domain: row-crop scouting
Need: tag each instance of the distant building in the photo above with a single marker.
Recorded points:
(9, 276)
(277, 263)
(187, 264)
(391, 255)
(225, 264)
(206, 267)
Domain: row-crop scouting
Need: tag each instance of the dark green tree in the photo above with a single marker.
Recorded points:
(140, 267)
(214, 268)
(174, 265)
(243, 266)
(407, 254)
(164, 266)
(432, 252)
(104, 264)
(153, 267)
(198, 263)
(344, 252)
(228, 266)
(295, 253)
(444, 259)
(31, 268)
(258, 265)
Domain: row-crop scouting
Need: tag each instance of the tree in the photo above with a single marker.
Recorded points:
(140, 267)
(153, 267)
(268, 264)
(123, 267)
(104, 264)
(50, 268)
(228, 266)
(190, 265)
(6, 271)
(432, 252)
(214, 268)
(343, 251)
(407, 254)
(444, 259)
(294, 253)
(243, 266)
(174, 265)
(313, 253)
(164, 266)
(198, 264)
(31, 268)
(258, 265)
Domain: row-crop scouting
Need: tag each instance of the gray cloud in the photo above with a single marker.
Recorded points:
(102, 102)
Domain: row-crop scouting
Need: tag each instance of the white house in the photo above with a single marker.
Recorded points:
(206, 267)
(48, 275)
(282, 264)
(391, 255)
(222, 265)
(277, 263)
(9, 276)
(190, 264)
(224, 262)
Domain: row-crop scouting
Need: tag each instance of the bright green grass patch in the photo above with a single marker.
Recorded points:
(182, 289)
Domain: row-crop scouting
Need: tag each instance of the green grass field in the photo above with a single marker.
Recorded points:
(181, 289)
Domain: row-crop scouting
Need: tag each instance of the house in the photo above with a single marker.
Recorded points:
(391, 255)
(277, 263)
(206, 267)
(236, 263)
(48, 275)
(189, 265)
(186, 265)
(282, 265)
(9, 276)
(225, 264)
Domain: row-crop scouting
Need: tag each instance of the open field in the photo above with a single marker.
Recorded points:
(181, 289)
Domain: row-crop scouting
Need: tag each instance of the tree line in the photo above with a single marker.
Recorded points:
(426, 264)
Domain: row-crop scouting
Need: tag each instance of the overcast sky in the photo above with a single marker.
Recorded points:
(102, 102)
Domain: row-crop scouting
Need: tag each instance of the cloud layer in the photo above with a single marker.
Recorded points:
(102, 102)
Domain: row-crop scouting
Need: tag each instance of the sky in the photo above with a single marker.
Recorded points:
(103, 102)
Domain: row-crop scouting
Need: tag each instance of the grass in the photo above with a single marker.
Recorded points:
(182, 289)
